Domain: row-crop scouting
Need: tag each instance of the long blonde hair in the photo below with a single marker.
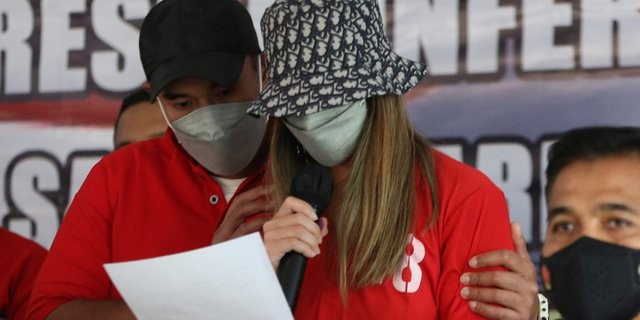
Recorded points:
(376, 215)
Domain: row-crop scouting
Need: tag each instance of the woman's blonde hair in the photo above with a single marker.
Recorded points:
(375, 218)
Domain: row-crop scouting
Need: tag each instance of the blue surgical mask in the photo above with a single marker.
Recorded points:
(330, 136)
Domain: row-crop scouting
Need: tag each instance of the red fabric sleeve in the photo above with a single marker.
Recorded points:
(80, 248)
(479, 224)
(20, 260)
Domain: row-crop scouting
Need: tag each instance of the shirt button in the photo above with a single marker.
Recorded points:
(214, 199)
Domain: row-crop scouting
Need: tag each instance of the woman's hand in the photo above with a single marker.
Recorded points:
(294, 227)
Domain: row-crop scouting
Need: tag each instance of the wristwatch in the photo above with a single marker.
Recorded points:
(543, 303)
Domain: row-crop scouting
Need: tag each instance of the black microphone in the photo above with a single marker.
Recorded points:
(312, 183)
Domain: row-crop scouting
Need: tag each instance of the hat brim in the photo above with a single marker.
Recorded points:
(221, 68)
(297, 94)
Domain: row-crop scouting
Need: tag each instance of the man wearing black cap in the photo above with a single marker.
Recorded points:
(200, 181)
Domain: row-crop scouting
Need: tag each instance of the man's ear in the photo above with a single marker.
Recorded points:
(146, 86)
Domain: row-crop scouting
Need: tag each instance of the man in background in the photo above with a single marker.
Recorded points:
(591, 252)
(138, 120)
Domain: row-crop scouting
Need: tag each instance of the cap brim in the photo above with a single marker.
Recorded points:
(221, 68)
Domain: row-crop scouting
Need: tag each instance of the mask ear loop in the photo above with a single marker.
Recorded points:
(164, 114)
(266, 118)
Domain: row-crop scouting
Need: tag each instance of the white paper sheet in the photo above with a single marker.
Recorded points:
(230, 280)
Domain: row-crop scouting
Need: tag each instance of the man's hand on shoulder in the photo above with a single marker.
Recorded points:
(510, 294)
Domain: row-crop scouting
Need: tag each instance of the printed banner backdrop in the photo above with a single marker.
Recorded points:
(506, 77)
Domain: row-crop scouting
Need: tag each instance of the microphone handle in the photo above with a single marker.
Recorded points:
(290, 274)
(313, 184)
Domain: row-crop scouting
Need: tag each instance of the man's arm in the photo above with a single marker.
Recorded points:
(93, 310)
(73, 269)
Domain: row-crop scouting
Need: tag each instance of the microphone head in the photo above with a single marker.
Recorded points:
(313, 183)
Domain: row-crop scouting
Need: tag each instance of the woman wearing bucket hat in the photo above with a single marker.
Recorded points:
(404, 220)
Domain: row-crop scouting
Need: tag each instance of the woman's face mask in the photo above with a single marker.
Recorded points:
(591, 279)
(330, 136)
(223, 138)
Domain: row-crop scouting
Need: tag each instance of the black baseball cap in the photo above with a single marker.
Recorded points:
(208, 39)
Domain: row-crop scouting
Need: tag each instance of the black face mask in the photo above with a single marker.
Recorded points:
(591, 279)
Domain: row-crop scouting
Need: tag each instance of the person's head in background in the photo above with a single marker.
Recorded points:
(202, 62)
(138, 120)
(591, 252)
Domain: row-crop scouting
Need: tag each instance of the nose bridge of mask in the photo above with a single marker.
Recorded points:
(226, 115)
(316, 120)
(212, 120)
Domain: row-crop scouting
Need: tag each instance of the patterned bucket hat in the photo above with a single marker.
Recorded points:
(328, 53)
